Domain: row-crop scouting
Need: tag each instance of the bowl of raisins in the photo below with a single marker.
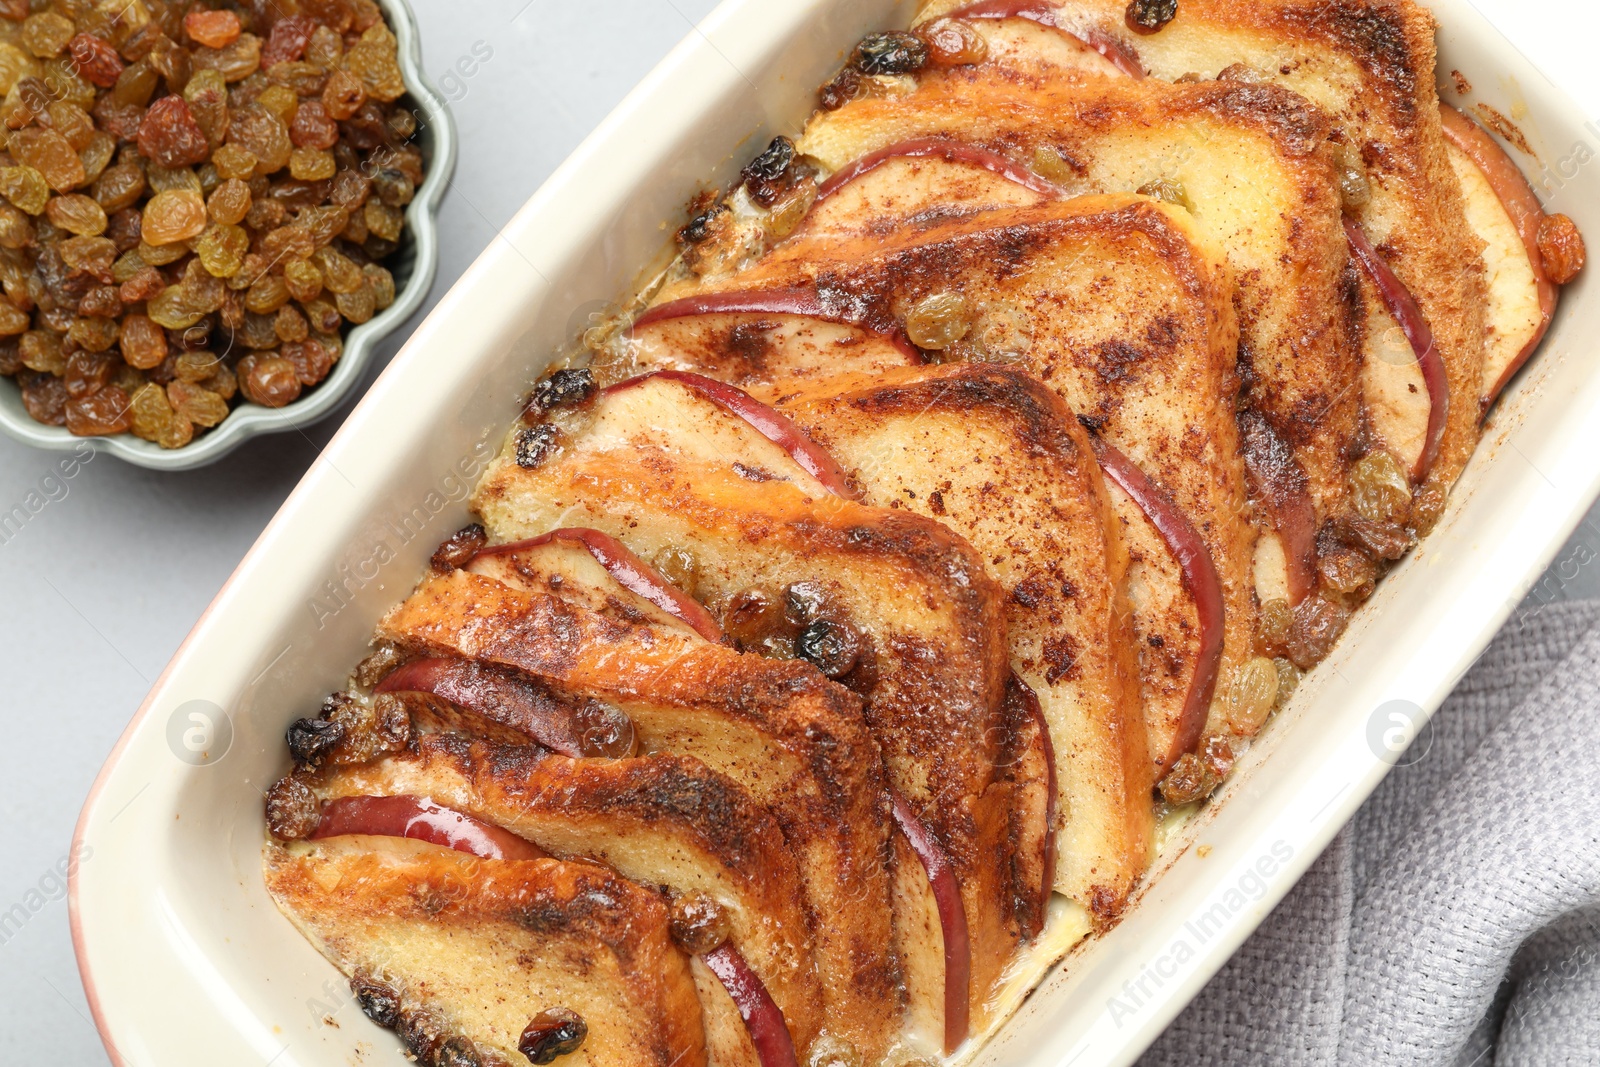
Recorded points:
(210, 212)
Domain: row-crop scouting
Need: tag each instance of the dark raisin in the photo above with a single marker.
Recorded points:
(894, 52)
(832, 646)
(561, 388)
(1318, 625)
(379, 1001)
(535, 443)
(1148, 16)
(699, 227)
(803, 602)
(552, 1034)
(292, 809)
(420, 1033)
(698, 923)
(311, 739)
(459, 548)
(772, 163)
(844, 87)
(456, 1052)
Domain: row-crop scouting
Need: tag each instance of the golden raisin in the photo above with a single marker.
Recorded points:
(1561, 247)
(77, 214)
(143, 343)
(213, 29)
(311, 164)
(173, 216)
(938, 321)
(1379, 489)
(268, 380)
(52, 155)
(47, 34)
(229, 202)
(953, 43)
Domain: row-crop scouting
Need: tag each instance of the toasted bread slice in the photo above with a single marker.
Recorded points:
(1259, 175)
(1370, 65)
(459, 954)
(904, 585)
(997, 457)
(656, 820)
(1128, 315)
(797, 742)
(642, 669)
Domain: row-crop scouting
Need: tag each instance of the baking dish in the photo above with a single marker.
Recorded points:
(413, 264)
(186, 960)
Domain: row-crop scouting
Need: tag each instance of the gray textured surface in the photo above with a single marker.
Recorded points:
(101, 586)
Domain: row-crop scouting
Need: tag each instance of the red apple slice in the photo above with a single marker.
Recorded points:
(1522, 205)
(769, 1033)
(1199, 577)
(629, 571)
(812, 457)
(952, 920)
(420, 819)
(506, 698)
(941, 148)
(1403, 306)
(1119, 53)
(802, 301)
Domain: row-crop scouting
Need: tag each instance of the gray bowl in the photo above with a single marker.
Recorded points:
(413, 263)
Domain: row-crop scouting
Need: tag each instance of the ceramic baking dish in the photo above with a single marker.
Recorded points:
(414, 264)
(184, 957)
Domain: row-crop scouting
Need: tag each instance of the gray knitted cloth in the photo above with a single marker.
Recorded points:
(1456, 920)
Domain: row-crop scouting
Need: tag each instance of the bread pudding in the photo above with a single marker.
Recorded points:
(844, 620)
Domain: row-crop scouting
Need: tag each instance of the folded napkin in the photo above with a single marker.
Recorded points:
(1456, 919)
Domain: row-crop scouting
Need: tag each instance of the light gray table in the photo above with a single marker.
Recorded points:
(103, 584)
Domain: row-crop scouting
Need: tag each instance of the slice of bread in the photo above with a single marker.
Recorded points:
(458, 954)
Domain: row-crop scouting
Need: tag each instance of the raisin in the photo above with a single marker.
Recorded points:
(235, 61)
(261, 133)
(77, 214)
(41, 351)
(97, 154)
(101, 302)
(311, 361)
(143, 343)
(25, 187)
(1148, 16)
(832, 646)
(96, 59)
(268, 380)
(375, 62)
(1318, 625)
(311, 164)
(47, 34)
(303, 279)
(382, 283)
(173, 216)
(88, 372)
(563, 388)
(13, 321)
(358, 306)
(323, 316)
(281, 101)
(290, 325)
(698, 923)
(393, 187)
(953, 43)
(45, 397)
(71, 122)
(267, 295)
(119, 186)
(893, 52)
(194, 367)
(199, 405)
(221, 248)
(459, 548)
(534, 444)
(382, 220)
(287, 41)
(16, 229)
(213, 29)
(52, 155)
(207, 96)
(379, 1001)
(292, 814)
(343, 96)
(1561, 247)
(170, 136)
(92, 256)
(101, 413)
(232, 161)
(135, 86)
(552, 1034)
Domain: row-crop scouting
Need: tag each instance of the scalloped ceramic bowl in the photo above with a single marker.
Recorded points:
(184, 957)
(414, 264)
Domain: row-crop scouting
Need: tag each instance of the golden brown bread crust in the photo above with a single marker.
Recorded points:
(934, 670)
(994, 454)
(475, 948)
(796, 741)
(657, 820)
(1371, 65)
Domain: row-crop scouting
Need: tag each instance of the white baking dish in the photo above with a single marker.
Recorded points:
(184, 957)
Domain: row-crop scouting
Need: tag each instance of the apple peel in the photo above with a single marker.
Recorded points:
(1414, 324)
(952, 920)
(769, 1031)
(800, 301)
(1200, 578)
(777, 428)
(1118, 53)
(1526, 213)
(628, 570)
(944, 148)
(420, 819)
